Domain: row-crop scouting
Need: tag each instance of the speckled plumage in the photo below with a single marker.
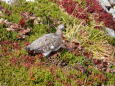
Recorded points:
(48, 42)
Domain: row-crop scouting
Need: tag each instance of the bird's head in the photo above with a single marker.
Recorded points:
(60, 28)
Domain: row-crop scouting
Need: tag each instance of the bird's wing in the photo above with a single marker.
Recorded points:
(44, 42)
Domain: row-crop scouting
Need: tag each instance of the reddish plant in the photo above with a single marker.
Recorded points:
(73, 8)
(22, 22)
(26, 61)
(14, 61)
(7, 12)
(5, 42)
(99, 13)
(9, 44)
(92, 6)
(16, 46)
(50, 83)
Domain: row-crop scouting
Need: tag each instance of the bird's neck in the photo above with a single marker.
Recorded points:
(59, 32)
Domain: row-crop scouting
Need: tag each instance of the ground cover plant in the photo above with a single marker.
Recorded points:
(87, 60)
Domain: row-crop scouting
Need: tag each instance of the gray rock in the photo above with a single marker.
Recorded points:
(112, 2)
(108, 6)
(9, 1)
(110, 32)
(13, 1)
(48, 42)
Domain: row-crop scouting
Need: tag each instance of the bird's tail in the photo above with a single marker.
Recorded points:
(27, 48)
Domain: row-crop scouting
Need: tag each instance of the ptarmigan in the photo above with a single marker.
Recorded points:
(48, 42)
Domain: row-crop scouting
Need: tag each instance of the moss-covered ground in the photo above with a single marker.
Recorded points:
(64, 68)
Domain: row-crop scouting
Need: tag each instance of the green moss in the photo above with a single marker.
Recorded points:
(111, 41)
(111, 79)
(42, 77)
(7, 34)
